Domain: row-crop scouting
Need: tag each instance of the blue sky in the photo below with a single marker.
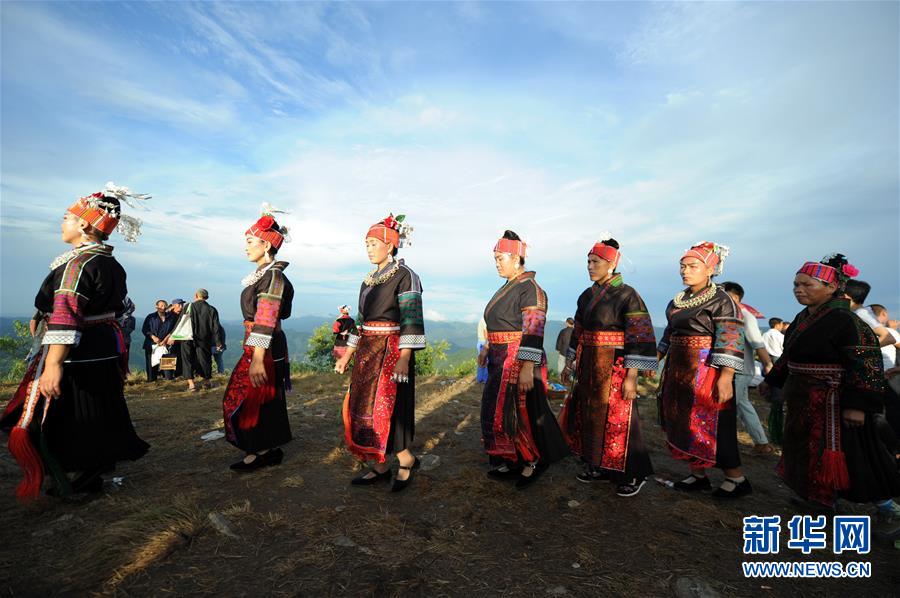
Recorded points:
(769, 127)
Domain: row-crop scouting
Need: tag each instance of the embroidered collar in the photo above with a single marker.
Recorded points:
(255, 276)
(374, 278)
(67, 256)
(697, 300)
(614, 281)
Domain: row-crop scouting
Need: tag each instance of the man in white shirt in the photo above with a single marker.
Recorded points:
(773, 338)
(753, 343)
(857, 291)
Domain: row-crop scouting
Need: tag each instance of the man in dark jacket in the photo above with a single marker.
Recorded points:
(205, 329)
(156, 328)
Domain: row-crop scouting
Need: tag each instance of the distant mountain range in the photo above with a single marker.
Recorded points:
(461, 336)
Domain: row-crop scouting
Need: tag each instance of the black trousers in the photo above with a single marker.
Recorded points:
(196, 359)
(153, 371)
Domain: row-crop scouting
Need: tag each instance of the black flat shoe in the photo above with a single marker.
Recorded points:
(525, 481)
(378, 477)
(696, 485)
(399, 485)
(738, 490)
(504, 472)
(277, 456)
(272, 457)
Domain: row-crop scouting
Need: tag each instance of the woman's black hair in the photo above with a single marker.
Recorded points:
(394, 251)
(837, 261)
(508, 234)
(272, 249)
(612, 243)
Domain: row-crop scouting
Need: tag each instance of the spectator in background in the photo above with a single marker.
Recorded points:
(773, 338)
(156, 329)
(562, 345)
(481, 375)
(218, 352)
(197, 351)
(127, 321)
(889, 354)
(857, 291)
(174, 344)
(753, 343)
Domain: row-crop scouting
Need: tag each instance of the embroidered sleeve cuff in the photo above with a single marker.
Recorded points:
(662, 347)
(641, 362)
(530, 354)
(721, 360)
(571, 354)
(353, 340)
(258, 340)
(62, 337)
(412, 341)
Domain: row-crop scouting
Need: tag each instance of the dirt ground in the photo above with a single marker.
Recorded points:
(301, 529)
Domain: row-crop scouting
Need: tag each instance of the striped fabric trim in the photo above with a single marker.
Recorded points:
(530, 354)
(353, 340)
(256, 339)
(412, 341)
(641, 362)
(819, 271)
(726, 361)
(62, 337)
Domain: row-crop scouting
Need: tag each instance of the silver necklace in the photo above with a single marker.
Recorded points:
(695, 301)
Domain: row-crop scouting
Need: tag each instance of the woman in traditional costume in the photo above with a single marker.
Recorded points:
(255, 406)
(704, 346)
(379, 409)
(612, 341)
(832, 381)
(342, 328)
(518, 428)
(69, 413)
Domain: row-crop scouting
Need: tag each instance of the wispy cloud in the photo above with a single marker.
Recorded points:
(664, 123)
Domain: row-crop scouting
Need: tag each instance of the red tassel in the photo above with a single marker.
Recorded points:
(30, 461)
(833, 470)
(706, 394)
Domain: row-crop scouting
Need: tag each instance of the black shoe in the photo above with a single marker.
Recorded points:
(698, 484)
(378, 477)
(630, 489)
(277, 456)
(739, 490)
(592, 475)
(272, 457)
(499, 473)
(399, 485)
(525, 481)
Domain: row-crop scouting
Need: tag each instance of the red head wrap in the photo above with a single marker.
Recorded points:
(828, 274)
(264, 229)
(519, 248)
(705, 252)
(606, 252)
(386, 231)
(91, 210)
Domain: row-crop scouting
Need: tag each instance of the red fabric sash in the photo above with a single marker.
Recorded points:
(367, 419)
(704, 417)
(516, 441)
(242, 400)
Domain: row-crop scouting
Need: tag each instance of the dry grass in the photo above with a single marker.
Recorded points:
(301, 529)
